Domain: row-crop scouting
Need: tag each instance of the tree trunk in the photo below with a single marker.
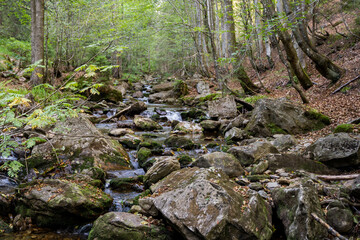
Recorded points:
(228, 27)
(323, 64)
(37, 39)
(248, 86)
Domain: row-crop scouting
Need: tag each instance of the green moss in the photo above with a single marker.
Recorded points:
(212, 145)
(316, 115)
(143, 154)
(274, 129)
(225, 148)
(185, 160)
(210, 97)
(254, 99)
(347, 128)
(147, 192)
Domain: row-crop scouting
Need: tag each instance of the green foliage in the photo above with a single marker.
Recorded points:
(16, 49)
(12, 167)
(347, 128)
(254, 99)
(274, 129)
(210, 97)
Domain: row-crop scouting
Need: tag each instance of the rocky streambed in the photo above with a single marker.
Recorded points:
(215, 169)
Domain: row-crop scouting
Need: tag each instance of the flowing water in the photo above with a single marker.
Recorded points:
(122, 199)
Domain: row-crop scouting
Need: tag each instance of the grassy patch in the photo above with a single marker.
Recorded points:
(254, 99)
(347, 128)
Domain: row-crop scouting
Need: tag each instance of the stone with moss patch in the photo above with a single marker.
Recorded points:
(126, 226)
(143, 154)
(55, 202)
(346, 128)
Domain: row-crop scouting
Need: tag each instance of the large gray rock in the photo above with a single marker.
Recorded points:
(337, 150)
(163, 87)
(210, 125)
(78, 140)
(125, 226)
(235, 134)
(146, 124)
(160, 96)
(340, 219)
(108, 93)
(283, 142)
(55, 202)
(253, 152)
(279, 116)
(294, 206)
(204, 204)
(293, 162)
(188, 127)
(162, 167)
(225, 161)
(203, 88)
(223, 108)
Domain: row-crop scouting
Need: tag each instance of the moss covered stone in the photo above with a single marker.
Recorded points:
(346, 128)
(185, 160)
(143, 154)
(123, 184)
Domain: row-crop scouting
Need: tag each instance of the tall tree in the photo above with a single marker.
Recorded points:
(37, 39)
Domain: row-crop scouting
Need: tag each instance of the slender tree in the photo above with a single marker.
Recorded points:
(37, 39)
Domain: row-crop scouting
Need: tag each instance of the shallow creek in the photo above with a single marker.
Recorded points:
(122, 200)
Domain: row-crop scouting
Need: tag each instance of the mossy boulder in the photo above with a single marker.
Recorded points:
(146, 124)
(55, 202)
(176, 142)
(130, 140)
(346, 128)
(205, 204)
(210, 125)
(142, 155)
(108, 93)
(280, 116)
(294, 206)
(79, 141)
(188, 127)
(253, 152)
(126, 226)
(126, 184)
(193, 113)
(185, 160)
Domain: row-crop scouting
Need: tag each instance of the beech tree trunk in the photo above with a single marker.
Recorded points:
(228, 36)
(324, 65)
(37, 39)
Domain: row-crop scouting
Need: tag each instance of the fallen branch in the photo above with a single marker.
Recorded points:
(328, 201)
(135, 108)
(337, 177)
(327, 226)
(341, 87)
(117, 115)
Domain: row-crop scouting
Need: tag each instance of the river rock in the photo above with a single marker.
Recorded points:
(163, 87)
(188, 127)
(179, 142)
(138, 94)
(78, 140)
(235, 134)
(108, 93)
(138, 86)
(337, 150)
(253, 152)
(279, 116)
(143, 154)
(223, 108)
(238, 122)
(283, 142)
(210, 125)
(340, 219)
(225, 161)
(146, 124)
(125, 226)
(130, 140)
(119, 132)
(147, 204)
(203, 88)
(55, 202)
(294, 206)
(135, 108)
(294, 162)
(162, 167)
(204, 204)
(160, 96)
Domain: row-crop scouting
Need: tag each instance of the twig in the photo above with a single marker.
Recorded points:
(337, 177)
(341, 87)
(330, 229)
(117, 115)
